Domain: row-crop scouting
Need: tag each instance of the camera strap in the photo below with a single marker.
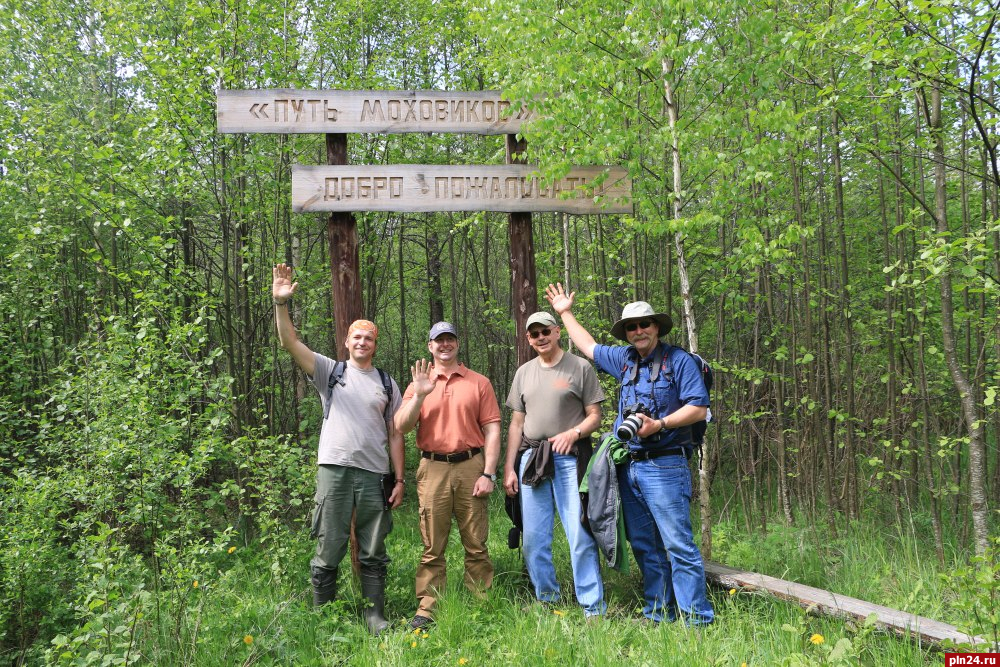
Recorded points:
(660, 361)
(631, 370)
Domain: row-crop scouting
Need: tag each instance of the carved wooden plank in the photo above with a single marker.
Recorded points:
(427, 188)
(289, 111)
(832, 604)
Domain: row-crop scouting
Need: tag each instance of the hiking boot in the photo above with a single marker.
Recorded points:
(420, 622)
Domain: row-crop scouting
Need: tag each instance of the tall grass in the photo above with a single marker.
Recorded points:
(257, 611)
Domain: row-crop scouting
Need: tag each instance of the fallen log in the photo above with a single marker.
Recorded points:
(842, 606)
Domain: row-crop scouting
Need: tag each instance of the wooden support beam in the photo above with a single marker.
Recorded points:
(345, 271)
(523, 283)
(841, 606)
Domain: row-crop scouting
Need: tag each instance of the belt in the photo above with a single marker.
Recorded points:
(452, 458)
(646, 454)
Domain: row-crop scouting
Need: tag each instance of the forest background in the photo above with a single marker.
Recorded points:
(827, 172)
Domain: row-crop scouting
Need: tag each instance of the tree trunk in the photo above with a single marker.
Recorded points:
(966, 394)
(850, 473)
(704, 478)
(435, 299)
(523, 291)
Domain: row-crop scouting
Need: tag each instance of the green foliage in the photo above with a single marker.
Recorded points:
(148, 423)
(35, 573)
(977, 588)
(817, 651)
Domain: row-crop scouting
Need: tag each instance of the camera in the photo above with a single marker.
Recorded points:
(631, 422)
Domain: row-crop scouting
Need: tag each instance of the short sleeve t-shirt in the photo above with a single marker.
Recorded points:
(554, 399)
(356, 432)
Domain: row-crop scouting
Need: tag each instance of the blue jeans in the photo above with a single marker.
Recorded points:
(656, 499)
(538, 503)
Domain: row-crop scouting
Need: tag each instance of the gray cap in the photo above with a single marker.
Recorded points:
(541, 317)
(640, 310)
(442, 328)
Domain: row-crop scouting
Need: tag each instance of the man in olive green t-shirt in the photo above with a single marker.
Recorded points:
(555, 400)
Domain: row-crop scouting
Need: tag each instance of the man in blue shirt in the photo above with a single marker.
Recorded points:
(655, 482)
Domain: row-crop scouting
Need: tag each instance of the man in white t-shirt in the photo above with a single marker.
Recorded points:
(356, 444)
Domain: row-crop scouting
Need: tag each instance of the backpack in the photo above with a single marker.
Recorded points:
(631, 369)
(337, 377)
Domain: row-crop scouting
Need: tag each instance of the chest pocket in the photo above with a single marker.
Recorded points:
(664, 394)
(652, 384)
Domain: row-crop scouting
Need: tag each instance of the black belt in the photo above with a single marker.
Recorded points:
(646, 454)
(452, 458)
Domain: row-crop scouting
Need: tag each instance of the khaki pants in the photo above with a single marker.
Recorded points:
(444, 490)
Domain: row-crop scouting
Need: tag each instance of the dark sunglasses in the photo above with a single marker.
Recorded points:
(539, 332)
(641, 324)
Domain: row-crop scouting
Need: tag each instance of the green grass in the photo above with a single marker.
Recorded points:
(264, 594)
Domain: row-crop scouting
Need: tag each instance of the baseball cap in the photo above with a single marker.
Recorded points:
(442, 328)
(541, 317)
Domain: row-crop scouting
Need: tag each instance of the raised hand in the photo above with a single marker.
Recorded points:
(282, 287)
(421, 373)
(558, 299)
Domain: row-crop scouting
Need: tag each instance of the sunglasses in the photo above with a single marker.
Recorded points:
(641, 324)
(539, 332)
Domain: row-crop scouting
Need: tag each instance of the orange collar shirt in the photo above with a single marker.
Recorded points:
(453, 415)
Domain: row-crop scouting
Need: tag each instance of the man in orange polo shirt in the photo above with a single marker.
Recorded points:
(459, 441)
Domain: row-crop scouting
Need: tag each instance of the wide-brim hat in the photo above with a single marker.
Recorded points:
(640, 310)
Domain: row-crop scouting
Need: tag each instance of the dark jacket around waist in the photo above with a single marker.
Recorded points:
(541, 466)
(603, 505)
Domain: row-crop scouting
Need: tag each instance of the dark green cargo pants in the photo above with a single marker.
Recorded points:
(341, 490)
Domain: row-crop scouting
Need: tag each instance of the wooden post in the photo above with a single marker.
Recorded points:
(345, 274)
(523, 288)
(345, 283)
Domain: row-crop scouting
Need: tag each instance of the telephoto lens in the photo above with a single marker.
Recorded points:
(630, 425)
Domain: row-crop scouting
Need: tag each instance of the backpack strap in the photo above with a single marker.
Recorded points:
(336, 377)
(387, 388)
(666, 365)
(629, 373)
(659, 359)
(659, 362)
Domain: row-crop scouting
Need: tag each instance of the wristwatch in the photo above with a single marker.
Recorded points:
(492, 478)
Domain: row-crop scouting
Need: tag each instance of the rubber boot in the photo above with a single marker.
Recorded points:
(373, 591)
(324, 583)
